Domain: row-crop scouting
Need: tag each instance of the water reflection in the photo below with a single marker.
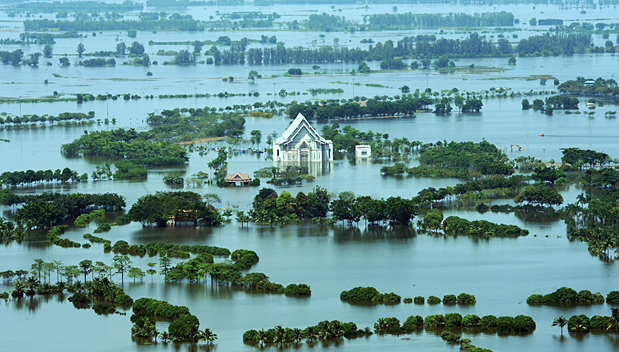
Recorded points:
(33, 303)
(373, 233)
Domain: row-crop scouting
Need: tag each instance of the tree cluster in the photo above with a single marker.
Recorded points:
(161, 207)
(567, 296)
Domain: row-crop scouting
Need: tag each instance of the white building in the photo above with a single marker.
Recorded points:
(301, 142)
(363, 151)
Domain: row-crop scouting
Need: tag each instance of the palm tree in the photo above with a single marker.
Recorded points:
(19, 288)
(561, 321)
(164, 336)
(262, 336)
(207, 335)
(280, 335)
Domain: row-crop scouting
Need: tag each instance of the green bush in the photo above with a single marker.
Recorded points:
(535, 299)
(419, 300)
(523, 324)
(450, 300)
(434, 300)
(466, 299)
(586, 297)
(80, 298)
(488, 322)
(104, 308)
(104, 227)
(505, 325)
(408, 300)
(454, 320)
(471, 321)
(450, 336)
(578, 323)
(184, 328)
(612, 297)
(600, 323)
(434, 322)
(298, 290)
(412, 323)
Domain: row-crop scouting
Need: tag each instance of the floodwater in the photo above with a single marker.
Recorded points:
(501, 273)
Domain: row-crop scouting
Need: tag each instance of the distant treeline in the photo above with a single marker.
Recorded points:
(415, 20)
(65, 116)
(75, 6)
(109, 25)
(30, 176)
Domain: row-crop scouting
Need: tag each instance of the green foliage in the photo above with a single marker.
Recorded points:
(369, 295)
(466, 299)
(413, 323)
(566, 296)
(579, 323)
(184, 328)
(297, 290)
(179, 206)
(407, 300)
(450, 337)
(434, 300)
(140, 148)
(454, 320)
(612, 297)
(455, 226)
(471, 321)
(244, 259)
(449, 300)
(419, 300)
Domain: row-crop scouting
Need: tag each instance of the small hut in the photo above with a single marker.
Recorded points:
(238, 178)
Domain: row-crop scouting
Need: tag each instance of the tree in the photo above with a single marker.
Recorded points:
(256, 136)
(614, 319)
(64, 62)
(511, 61)
(122, 264)
(164, 264)
(459, 102)
(253, 74)
(426, 63)
(121, 48)
(561, 321)
(80, 49)
(136, 49)
(151, 271)
(525, 104)
(47, 51)
(85, 267)
(541, 193)
(136, 273)
(207, 335)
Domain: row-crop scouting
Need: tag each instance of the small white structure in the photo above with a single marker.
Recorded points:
(363, 151)
(301, 142)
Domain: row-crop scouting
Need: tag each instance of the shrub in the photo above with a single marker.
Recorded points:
(505, 325)
(465, 299)
(578, 323)
(586, 297)
(434, 322)
(524, 324)
(419, 300)
(488, 322)
(408, 300)
(184, 328)
(391, 298)
(454, 320)
(450, 299)
(387, 325)
(414, 322)
(434, 300)
(471, 321)
(600, 323)
(80, 298)
(450, 336)
(612, 297)
(535, 299)
(297, 290)
(104, 308)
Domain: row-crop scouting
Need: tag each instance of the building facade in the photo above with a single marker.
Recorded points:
(301, 143)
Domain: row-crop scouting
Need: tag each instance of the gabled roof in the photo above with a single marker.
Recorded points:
(296, 127)
(238, 177)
